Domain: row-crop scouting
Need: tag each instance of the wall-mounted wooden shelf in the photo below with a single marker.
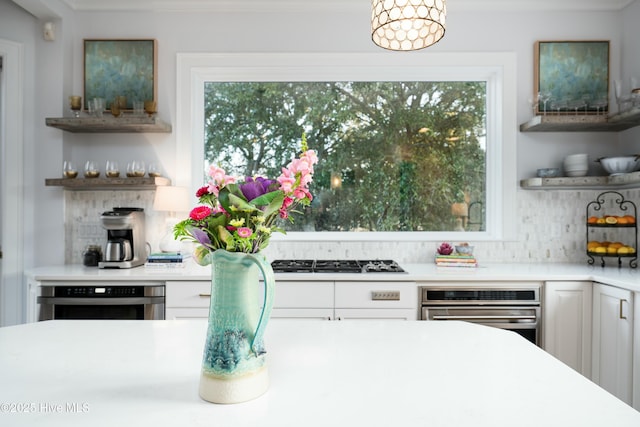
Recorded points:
(627, 180)
(142, 183)
(587, 123)
(109, 124)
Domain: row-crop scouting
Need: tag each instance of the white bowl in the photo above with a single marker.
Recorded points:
(620, 165)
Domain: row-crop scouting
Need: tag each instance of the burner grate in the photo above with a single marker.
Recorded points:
(336, 266)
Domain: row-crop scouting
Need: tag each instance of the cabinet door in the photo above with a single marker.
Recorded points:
(567, 323)
(612, 340)
(376, 314)
(636, 351)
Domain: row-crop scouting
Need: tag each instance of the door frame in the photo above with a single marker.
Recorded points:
(12, 181)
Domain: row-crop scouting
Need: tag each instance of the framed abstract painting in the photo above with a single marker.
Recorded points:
(120, 68)
(571, 77)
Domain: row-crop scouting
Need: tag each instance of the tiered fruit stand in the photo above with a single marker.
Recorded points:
(610, 208)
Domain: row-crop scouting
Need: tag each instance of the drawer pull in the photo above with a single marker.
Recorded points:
(623, 316)
(205, 295)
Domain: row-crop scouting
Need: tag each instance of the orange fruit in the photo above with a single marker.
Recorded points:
(592, 220)
(622, 220)
(615, 245)
(605, 243)
(611, 220)
(630, 219)
(592, 245)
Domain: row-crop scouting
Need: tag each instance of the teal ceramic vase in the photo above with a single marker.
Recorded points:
(234, 367)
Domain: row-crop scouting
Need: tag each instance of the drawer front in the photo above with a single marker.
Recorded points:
(303, 295)
(376, 295)
(188, 294)
(287, 294)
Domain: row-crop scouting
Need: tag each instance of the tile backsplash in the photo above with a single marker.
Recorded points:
(551, 228)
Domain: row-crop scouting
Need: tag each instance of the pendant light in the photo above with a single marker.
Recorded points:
(407, 24)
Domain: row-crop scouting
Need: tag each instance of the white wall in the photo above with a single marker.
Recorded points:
(59, 73)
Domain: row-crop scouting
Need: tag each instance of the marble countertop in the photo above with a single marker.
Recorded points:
(370, 373)
(428, 272)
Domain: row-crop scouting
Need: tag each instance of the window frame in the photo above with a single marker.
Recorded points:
(496, 69)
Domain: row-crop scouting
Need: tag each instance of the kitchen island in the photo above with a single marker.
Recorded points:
(369, 373)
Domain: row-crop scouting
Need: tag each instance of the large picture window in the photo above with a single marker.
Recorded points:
(409, 148)
(395, 156)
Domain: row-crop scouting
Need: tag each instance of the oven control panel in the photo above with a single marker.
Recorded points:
(99, 291)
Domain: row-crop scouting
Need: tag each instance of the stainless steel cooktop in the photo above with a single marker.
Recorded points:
(335, 266)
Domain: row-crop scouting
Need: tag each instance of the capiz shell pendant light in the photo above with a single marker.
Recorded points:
(407, 24)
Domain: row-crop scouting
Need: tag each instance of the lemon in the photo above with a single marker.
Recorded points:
(612, 250)
(623, 251)
(611, 220)
(600, 250)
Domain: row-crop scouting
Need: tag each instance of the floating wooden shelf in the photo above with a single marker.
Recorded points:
(627, 180)
(109, 124)
(587, 123)
(142, 183)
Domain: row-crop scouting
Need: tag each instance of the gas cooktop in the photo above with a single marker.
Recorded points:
(335, 266)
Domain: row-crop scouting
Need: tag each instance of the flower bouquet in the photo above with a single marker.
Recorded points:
(240, 215)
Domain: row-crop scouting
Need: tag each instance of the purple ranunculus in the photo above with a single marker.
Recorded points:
(253, 188)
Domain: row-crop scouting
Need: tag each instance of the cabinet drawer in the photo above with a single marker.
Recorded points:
(376, 295)
(188, 294)
(303, 295)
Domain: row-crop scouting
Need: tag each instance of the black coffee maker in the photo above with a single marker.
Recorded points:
(126, 244)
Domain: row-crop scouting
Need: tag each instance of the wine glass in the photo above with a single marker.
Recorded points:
(135, 169)
(69, 169)
(154, 170)
(544, 97)
(112, 170)
(91, 169)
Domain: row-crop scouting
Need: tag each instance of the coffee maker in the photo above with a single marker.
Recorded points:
(126, 245)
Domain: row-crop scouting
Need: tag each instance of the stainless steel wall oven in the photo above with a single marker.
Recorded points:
(514, 307)
(122, 301)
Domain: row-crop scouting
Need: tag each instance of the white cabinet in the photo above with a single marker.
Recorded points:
(567, 323)
(612, 367)
(307, 300)
(313, 300)
(376, 300)
(636, 351)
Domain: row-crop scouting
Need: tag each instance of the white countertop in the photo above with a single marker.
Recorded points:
(370, 373)
(625, 277)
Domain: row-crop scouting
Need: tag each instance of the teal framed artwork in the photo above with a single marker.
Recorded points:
(571, 77)
(120, 68)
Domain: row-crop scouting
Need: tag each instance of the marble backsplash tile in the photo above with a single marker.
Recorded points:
(551, 228)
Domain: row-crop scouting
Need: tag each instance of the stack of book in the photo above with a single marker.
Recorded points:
(165, 260)
(456, 261)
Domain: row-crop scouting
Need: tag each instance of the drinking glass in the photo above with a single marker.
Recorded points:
(150, 107)
(98, 106)
(135, 169)
(138, 108)
(91, 169)
(112, 170)
(154, 170)
(75, 103)
(115, 108)
(69, 169)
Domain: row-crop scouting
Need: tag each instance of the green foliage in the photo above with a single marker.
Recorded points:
(402, 152)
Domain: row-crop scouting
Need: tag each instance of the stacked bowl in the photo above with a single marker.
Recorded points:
(576, 165)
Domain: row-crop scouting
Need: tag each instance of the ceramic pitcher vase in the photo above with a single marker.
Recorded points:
(234, 365)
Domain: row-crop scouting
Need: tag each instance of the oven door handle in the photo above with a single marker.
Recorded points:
(100, 301)
(470, 317)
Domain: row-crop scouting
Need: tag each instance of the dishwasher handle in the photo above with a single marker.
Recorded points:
(100, 301)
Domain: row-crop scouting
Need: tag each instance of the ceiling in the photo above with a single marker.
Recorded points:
(158, 5)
